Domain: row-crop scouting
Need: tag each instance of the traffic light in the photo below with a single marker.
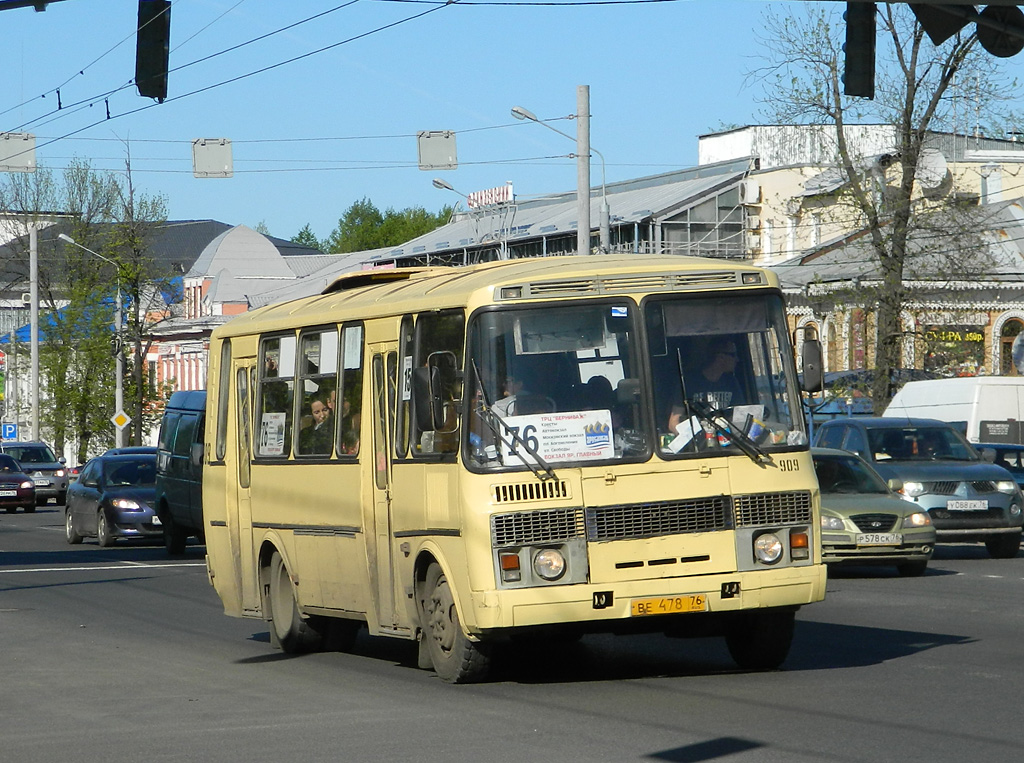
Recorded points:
(152, 47)
(859, 71)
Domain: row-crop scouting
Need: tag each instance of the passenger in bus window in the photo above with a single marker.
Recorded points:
(714, 384)
(349, 444)
(316, 438)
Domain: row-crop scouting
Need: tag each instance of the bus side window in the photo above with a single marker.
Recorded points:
(318, 376)
(276, 396)
(440, 338)
(351, 389)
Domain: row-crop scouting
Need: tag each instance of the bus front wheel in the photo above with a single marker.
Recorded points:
(760, 640)
(288, 630)
(455, 658)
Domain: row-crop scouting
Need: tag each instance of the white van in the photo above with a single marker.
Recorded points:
(985, 408)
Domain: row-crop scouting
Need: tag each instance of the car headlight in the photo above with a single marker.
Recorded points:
(549, 564)
(917, 519)
(1006, 486)
(768, 548)
(59, 473)
(127, 504)
(913, 489)
(831, 523)
(27, 484)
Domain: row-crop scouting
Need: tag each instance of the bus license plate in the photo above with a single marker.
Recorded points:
(879, 539)
(967, 505)
(669, 605)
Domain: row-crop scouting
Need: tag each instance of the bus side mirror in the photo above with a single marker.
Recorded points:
(813, 378)
(427, 401)
(197, 454)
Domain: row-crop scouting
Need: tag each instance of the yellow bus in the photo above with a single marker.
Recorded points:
(526, 449)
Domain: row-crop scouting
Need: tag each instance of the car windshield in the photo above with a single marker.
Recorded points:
(919, 444)
(31, 454)
(140, 473)
(8, 464)
(847, 474)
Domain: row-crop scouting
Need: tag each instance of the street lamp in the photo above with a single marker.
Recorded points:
(520, 113)
(119, 358)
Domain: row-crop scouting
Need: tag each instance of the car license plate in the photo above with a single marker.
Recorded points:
(8, 493)
(42, 483)
(879, 539)
(967, 505)
(156, 521)
(668, 605)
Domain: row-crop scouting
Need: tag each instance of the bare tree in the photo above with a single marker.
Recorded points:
(881, 198)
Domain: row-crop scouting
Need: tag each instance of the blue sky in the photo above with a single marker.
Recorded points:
(313, 136)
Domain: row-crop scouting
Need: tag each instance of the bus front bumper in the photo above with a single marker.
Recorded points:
(608, 606)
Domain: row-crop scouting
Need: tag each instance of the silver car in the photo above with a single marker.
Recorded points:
(864, 522)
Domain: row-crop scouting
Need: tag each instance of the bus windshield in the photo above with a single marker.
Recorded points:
(573, 383)
(723, 374)
(563, 382)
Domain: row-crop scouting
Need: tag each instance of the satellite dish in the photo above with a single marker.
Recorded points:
(1017, 352)
(933, 174)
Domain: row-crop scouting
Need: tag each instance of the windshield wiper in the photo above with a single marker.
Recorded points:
(725, 428)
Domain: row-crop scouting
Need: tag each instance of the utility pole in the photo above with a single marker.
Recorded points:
(583, 168)
(33, 280)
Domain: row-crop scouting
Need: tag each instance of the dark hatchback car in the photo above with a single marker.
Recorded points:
(17, 490)
(46, 470)
(113, 498)
(967, 498)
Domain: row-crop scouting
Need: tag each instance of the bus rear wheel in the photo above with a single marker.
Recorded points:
(289, 632)
(455, 658)
(760, 640)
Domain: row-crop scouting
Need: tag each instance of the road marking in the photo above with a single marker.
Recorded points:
(134, 566)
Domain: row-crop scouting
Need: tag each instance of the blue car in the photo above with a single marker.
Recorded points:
(113, 498)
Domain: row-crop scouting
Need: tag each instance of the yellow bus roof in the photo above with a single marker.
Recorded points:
(375, 293)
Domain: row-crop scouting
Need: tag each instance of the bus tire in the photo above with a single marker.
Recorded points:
(289, 632)
(455, 658)
(760, 640)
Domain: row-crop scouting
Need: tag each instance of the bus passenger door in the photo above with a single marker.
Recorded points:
(240, 513)
(384, 367)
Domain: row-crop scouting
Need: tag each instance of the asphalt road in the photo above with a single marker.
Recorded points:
(124, 654)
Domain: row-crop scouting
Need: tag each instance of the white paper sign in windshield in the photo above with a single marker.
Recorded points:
(568, 436)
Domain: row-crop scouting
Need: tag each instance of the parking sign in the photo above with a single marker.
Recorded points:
(8, 431)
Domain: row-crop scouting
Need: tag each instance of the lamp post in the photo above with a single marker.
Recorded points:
(118, 357)
(584, 191)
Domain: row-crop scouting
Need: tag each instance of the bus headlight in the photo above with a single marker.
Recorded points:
(767, 548)
(549, 564)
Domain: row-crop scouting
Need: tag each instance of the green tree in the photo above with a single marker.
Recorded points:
(306, 237)
(364, 227)
(914, 94)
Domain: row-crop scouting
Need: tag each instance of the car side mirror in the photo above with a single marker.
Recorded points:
(895, 484)
(988, 454)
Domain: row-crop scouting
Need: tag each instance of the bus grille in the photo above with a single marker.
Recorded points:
(648, 520)
(529, 491)
(773, 509)
(526, 528)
